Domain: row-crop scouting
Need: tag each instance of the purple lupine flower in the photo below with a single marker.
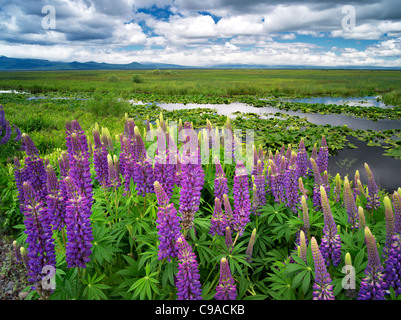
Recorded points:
(303, 246)
(228, 240)
(78, 226)
(192, 181)
(228, 212)
(55, 200)
(126, 162)
(305, 215)
(349, 203)
(323, 156)
(39, 235)
(64, 164)
(242, 203)
(276, 185)
(249, 249)
(302, 189)
(392, 273)
(143, 173)
(397, 211)
(113, 171)
(220, 181)
(302, 160)
(325, 181)
(260, 182)
(226, 289)
(187, 280)
(322, 287)
(255, 199)
(390, 224)
(314, 157)
(218, 222)
(373, 190)
(19, 180)
(168, 224)
(34, 170)
(331, 241)
(100, 160)
(3, 121)
(18, 133)
(317, 184)
(291, 186)
(372, 286)
(164, 169)
(78, 156)
(7, 135)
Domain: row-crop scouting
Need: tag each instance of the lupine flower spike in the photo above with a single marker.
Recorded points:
(302, 160)
(372, 286)
(322, 287)
(168, 224)
(349, 203)
(331, 242)
(372, 196)
(242, 203)
(361, 218)
(390, 224)
(249, 249)
(397, 211)
(218, 222)
(323, 156)
(39, 235)
(220, 181)
(302, 246)
(187, 280)
(226, 289)
(392, 274)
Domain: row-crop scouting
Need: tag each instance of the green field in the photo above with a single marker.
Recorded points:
(213, 82)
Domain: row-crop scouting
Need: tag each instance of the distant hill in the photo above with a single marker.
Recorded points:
(18, 64)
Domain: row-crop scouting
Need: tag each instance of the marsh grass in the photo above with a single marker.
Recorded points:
(216, 82)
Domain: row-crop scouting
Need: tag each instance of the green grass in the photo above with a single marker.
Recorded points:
(213, 82)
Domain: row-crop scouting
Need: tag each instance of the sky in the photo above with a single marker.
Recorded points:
(205, 33)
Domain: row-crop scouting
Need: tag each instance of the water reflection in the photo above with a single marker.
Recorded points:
(386, 170)
(368, 101)
(268, 112)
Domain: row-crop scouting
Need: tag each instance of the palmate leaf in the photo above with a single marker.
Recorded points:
(144, 287)
(104, 245)
(94, 289)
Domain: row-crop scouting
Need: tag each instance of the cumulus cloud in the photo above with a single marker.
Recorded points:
(202, 33)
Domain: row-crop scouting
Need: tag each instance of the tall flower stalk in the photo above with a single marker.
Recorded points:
(372, 286)
(39, 235)
(331, 241)
(187, 280)
(218, 222)
(349, 203)
(242, 203)
(168, 224)
(226, 289)
(373, 191)
(322, 287)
